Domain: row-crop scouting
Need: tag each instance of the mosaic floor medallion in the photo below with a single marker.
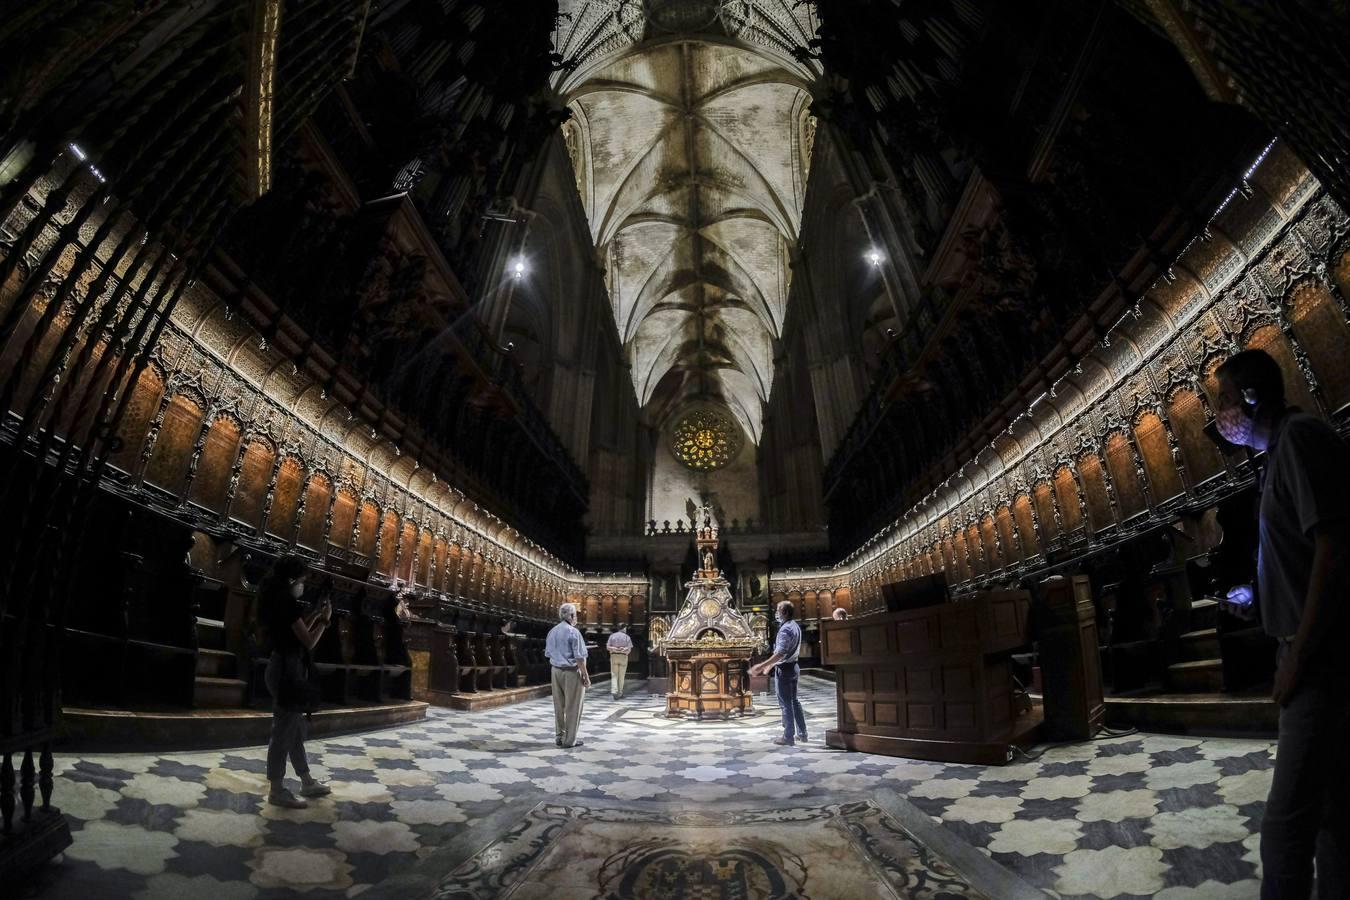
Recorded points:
(841, 850)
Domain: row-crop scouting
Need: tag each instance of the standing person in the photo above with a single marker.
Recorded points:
(566, 652)
(619, 646)
(1301, 597)
(292, 634)
(786, 648)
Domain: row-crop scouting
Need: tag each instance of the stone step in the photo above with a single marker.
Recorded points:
(219, 693)
(216, 663)
(1200, 644)
(1199, 676)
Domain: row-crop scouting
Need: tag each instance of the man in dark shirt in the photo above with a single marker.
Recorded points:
(1302, 598)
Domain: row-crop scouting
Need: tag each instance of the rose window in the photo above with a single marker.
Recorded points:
(706, 440)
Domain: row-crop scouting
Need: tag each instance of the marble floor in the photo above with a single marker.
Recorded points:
(418, 806)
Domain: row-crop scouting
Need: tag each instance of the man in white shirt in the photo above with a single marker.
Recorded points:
(566, 652)
(619, 646)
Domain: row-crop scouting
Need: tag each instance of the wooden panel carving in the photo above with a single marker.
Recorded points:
(1321, 330)
(254, 475)
(172, 452)
(1066, 492)
(1045, 511)
(1094, 490)
(1163, 477)
(370, 530)
(212, 485)
(425, 558)
(286, 499)
(135, 421)
(993, 545)
(317, 494)
(1026, 526)
(1187, 415)
(1120, 462)
(1005, 533)
(1269, 339)
(344, 519)
(407, 540)
(388, 544)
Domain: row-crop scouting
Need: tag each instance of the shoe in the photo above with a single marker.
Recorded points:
(783, 742)
(286, 800)
(615, 696)
(557, 742)
(571, 745)
(802, 737)
(317, 789)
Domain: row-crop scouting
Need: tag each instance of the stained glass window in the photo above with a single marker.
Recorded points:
(705, 440)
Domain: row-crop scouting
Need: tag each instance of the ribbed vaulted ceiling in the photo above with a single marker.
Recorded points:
(692, 150)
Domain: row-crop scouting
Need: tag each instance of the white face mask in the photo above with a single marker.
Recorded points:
(297, 589)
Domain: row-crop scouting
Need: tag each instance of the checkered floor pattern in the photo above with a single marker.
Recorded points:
(1141, 815)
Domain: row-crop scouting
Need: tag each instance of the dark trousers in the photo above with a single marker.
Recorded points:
(786, 677)
(288, 726)
(1308, 812)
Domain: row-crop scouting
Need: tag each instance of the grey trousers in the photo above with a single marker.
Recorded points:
(1308, 811)
(568, 694)
(288, 726)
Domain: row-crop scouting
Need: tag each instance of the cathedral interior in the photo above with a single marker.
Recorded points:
(909, 314)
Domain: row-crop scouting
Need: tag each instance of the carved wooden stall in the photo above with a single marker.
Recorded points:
(933, 682)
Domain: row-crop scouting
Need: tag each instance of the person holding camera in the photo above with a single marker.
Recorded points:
(292, 633)
(1302, 577)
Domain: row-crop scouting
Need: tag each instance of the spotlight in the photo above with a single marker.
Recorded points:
(518, 268)
(874, 256)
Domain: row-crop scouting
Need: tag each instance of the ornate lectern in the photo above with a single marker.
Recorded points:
(709, 644)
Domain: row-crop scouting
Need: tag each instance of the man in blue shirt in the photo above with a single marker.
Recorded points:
(566, 652)
(786, 649)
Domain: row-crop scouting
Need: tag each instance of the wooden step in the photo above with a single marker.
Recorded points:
(216, 663)
(1199, 676)
(1251, 715)
(219, 693)
(210, 633)
(1200, 644)
(1204, 613)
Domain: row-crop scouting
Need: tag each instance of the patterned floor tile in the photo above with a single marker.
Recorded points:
(1132, 815)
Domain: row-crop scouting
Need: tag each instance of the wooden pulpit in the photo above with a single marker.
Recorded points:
(933, 682)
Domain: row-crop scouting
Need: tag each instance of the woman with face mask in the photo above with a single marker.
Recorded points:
(292, 634)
